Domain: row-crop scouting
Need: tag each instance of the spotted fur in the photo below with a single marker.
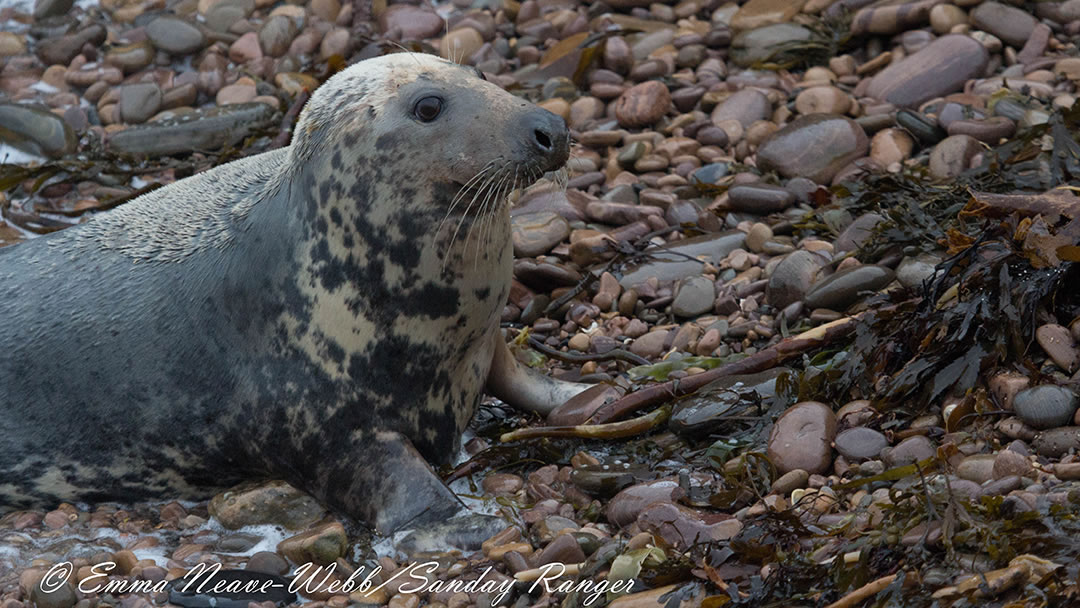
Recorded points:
(319, 313)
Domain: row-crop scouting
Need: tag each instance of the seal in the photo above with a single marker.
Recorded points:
(326, 313)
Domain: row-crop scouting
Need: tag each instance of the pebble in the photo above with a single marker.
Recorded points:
(942, 67)
(822, 100)
(860, 443)
(274, 503)
(952, 156)
(758, 235)
(857, 232)
(761, 199)
(36, 130)
(913, 270)
(802, 438)
(175, 35)
(413, 22)
(746, 106)
(138, 102)
(642, 104)
(791, 278)
(845, 287)
(815, 147)
(909, 451)
(1046, 406)
(1059, 345)
(537, 233)
(322, 544)
(693, 296)
(623, 509)
(11, 44)
(1011, 24)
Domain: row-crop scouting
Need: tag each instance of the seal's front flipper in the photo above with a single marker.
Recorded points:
(393, 487)
(515, 384)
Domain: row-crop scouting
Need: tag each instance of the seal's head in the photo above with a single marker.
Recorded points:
(442, 119)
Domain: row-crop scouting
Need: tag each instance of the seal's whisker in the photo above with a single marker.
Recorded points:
(492, 215)
(465, 189)
(492, 195)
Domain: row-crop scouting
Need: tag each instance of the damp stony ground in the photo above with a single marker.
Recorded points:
(821, 253)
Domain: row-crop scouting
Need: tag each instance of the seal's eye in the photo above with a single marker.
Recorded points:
(428, 108)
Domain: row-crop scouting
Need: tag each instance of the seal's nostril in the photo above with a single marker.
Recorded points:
(542, 140)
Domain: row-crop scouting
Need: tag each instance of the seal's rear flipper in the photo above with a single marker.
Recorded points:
(467, 532)
(513, 383)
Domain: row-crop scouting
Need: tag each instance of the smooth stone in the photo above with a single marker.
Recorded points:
(1046, 406)
(1058, 343)
(845, 287)
(201, 592)
(623, 509)
(322, 544)
(51, 8)
(1055, 443)
(414, 22)
(815, 147)
(860, 443)
(276, 34)
(537, 233)
(940, 68)
(61, 596)
(912, 271)
(267, 562)
(884, 18)
(674, 262)
(131, 57)
(747, 106)
(891, 145)
(791, 278)
(651, 344)
(274, 503)
(175, 35)
(978, 468)
(909, 451)
(140, 101)
(62, 50)
(1008, 463)
(760, 199)
(642, 104)
(852, 237)
(36, 131)
(753, 46)
(759, 13)
(12, 44)
(952, 155)
(693, 296)
(989, 130)
(802, 438)
(1009, 23)
(201, 129)
(822, 100)
(710, 173)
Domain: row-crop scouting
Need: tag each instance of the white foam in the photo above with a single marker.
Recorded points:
(10, 155)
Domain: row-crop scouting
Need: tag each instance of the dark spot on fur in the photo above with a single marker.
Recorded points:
(387, 141)
(335, 216)
(483, 293)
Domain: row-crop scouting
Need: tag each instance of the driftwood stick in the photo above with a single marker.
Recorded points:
(757, 362)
